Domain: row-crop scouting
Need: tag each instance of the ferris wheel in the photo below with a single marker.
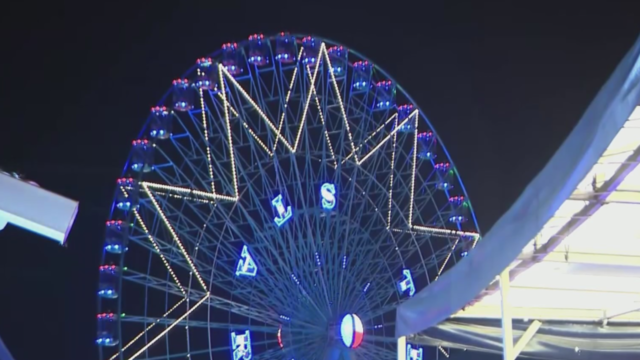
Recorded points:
(282, 200)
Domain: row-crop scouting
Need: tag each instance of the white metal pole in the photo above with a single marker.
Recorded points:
(402, 348)
(507, 329)
(525, 338)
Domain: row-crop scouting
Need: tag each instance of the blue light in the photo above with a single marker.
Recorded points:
(283, 214)
(241, 345)
(344, 262)
(407, 283)
(246, 265)
(106, 341)
(328, 192)
(414, 354)
(366, 287)
(109, 294)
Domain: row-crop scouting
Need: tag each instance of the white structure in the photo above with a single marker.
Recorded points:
(27, 205)
(568, 251)
(35, 209)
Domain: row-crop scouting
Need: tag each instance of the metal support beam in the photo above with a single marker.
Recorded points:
(525, 338)
(616, 313)
(509, 351)
(507, 329)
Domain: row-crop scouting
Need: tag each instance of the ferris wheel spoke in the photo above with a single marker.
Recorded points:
(270, 261)
(184, 167)
(285, 246)
(367, 272)
(386, 293)
(322, 110)
(199, 256)
(311, 231)
(266, 317)
(379, 352)
(252, 205)
(263, 297)
(335, 87)
(373, 268)
(182, 355)
(276, 353)
(197, 324)
(244, 103)
(271, 92)
(196, 353)
(387, 289)
(391, 303)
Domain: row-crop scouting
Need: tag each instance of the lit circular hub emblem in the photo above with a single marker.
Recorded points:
(351, 331)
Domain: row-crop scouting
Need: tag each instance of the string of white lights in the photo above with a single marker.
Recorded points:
(174, 235)
(232, 155)
(176, 322)
(413, 170)
(324, 125)
(286, 100)
(308, 100)
(393, 161)
(141, 334)
(386, 138)
(323, 51)
(253, 103)
(206, 138)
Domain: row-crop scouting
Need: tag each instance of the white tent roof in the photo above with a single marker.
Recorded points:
(541, 206)
(591, 270)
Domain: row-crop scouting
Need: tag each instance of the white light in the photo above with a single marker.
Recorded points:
(328, 191)
(283, 213)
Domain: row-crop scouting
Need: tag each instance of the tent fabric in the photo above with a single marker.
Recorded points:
(596, 129)
(552, 341)
(4, 352)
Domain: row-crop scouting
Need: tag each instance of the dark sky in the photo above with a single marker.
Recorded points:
(503, 86)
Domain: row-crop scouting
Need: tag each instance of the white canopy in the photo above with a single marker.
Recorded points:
(542, 198)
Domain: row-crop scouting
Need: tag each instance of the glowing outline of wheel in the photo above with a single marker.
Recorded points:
(293, 320)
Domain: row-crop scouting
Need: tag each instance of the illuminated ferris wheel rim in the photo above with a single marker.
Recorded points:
(298, 38)
(239, 194)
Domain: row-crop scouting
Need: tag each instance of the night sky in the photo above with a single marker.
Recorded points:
(502, 85)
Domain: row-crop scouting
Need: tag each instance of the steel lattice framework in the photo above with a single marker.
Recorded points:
(269, 117)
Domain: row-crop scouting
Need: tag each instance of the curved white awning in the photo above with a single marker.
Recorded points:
(589, 266)
(542, 198)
